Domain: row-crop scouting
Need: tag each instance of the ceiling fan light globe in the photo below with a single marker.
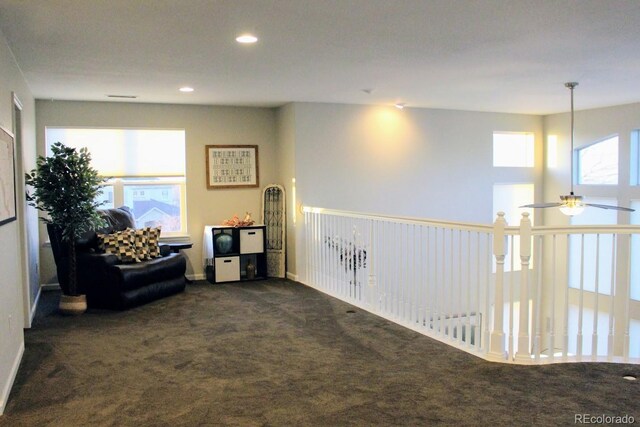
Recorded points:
(572, 210)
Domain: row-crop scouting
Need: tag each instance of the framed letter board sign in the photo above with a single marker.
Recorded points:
(232, 166)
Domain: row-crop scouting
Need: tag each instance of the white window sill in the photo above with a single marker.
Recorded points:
(186, 238)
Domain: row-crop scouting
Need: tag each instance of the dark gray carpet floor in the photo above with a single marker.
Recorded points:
(276, 353)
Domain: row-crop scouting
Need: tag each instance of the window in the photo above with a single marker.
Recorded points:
(146, 169)
(598, 163)
(511, 149)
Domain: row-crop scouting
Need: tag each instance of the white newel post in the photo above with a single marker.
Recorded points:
(497, 346)
(523, 352)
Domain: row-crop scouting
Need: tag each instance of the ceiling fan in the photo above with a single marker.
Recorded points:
(571, 204)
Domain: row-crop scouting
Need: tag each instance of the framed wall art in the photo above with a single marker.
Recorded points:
(232, 166)
(7, 177)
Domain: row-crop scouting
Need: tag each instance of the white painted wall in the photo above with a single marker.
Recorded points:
(13, 280)
(413, 162)
(204, 125)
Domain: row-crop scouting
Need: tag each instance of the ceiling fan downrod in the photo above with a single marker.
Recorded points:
(571, 86)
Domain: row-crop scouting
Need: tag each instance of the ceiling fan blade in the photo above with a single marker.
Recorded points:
(542, 205)
(617, 208)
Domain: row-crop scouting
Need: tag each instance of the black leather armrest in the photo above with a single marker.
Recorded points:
(165, 250)
(95, 260)
(92, 270)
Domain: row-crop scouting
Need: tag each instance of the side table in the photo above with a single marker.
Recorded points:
(177, 247)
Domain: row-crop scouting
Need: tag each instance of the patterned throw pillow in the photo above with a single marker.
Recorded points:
(141, 239)
(154, 241)
(121, 244)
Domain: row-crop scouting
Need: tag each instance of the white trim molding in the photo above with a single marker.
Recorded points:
(6, 390)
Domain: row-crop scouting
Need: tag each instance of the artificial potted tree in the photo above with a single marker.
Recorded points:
(65, 186)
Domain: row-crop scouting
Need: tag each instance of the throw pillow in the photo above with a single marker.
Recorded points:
(141, 239)
(154, 242)
(121, 244)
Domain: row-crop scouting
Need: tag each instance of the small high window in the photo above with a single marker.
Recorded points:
(598, 163)
(513, 149)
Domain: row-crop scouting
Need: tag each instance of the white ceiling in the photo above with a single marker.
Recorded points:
(483, 55)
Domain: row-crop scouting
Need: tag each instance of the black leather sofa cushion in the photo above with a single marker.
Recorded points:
(132, 276)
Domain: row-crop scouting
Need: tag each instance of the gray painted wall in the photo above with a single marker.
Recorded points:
(18, 239)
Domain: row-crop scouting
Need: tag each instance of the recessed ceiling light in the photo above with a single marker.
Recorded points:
(246, 38)
(186, 89)
(400, 105)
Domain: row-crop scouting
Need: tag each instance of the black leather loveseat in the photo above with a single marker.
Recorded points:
(109, 283)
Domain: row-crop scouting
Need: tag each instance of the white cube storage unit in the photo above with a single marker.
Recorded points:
(227, 269)
(234, 254)
(251, 241)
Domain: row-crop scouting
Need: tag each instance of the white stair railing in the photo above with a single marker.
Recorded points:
(563, 295)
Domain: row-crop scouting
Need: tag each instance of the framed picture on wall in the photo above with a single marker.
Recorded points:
(7, 177)
(232, 166)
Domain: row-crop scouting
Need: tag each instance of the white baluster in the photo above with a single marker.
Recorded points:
(594, 334)
(371, 253)
(525, 256)
(627, 308)
(565, 336)
(611, 341)
(554, 275)
(580, 302)
(511, 300)
(538, 300)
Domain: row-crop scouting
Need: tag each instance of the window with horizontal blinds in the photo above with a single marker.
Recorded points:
(146, 170)
(124, 153)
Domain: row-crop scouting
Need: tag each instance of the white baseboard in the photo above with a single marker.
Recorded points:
(34, 307)
(6, 390)
(200, 276)
(292, 276)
